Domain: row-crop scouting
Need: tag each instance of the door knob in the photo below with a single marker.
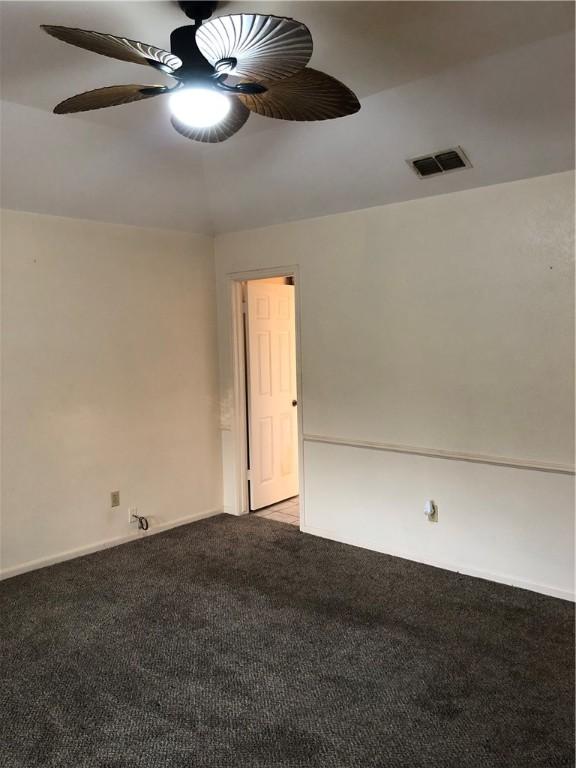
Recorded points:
(294, 402)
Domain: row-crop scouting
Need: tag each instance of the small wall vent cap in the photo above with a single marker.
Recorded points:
(441, 162)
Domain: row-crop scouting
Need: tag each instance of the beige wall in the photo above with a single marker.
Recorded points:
(109, 377)
(443, 325)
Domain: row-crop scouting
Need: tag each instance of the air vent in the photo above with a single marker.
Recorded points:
(440, 162)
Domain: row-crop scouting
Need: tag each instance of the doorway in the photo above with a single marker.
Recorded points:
(271, 398)
(268, 419)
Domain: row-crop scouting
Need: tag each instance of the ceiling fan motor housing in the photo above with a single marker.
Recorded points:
(197, 70)
(194, 65)
(183, 42)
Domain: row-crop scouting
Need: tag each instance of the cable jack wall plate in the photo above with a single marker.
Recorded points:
(431, 511)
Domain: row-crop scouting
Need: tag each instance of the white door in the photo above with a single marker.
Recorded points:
(272, 399)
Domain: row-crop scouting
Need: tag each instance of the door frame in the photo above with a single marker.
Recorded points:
(239, 424)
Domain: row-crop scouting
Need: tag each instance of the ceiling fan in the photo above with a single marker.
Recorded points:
(224, 69)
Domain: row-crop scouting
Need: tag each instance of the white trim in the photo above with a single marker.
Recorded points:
(71, 554)
(438, 453)
(239, 424)
(500, 578)
(230, 509)
(238, 421)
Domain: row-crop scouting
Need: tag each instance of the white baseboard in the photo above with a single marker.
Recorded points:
(512, 581)
(500, 578)
(70, 554)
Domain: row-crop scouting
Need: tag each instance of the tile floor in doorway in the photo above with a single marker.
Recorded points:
(287, 511)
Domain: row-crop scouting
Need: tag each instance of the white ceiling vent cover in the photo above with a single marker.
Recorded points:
(437, 163)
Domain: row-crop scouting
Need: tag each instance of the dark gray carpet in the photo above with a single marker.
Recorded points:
(242, 642)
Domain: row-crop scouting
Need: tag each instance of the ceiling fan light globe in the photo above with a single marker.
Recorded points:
(199, 107)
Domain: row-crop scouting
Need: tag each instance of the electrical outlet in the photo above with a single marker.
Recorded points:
(115, 499)
(131, 512)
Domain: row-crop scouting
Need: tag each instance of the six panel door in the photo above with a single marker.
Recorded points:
(272, 415)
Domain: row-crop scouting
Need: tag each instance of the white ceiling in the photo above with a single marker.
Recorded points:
(494, 77)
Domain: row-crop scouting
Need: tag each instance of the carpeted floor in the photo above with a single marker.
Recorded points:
(242, 642)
